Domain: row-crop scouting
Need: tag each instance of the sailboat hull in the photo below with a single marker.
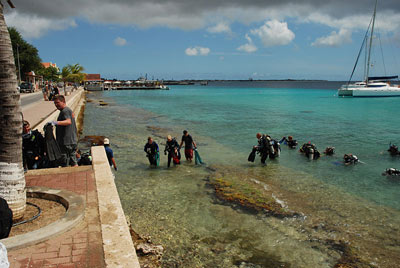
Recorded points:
(389, 91)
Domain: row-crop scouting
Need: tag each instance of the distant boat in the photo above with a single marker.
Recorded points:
(380, 86)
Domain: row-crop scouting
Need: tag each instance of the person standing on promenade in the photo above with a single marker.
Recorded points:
(66, 133)
(189, 145)
(152, 151)
(110, 154)
(44, 91)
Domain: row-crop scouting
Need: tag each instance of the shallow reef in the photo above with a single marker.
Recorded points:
(243, 193)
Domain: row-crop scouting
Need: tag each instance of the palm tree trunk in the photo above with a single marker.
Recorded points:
(12, 179)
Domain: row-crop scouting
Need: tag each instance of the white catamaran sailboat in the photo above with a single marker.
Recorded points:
(379, 86)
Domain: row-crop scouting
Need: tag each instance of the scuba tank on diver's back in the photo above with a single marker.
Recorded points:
(310, 151)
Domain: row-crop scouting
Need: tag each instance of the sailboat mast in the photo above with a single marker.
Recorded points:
(370, 43)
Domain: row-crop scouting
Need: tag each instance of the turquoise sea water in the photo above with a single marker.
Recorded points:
(178, 210)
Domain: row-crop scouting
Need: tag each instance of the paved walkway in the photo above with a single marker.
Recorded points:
(36, 113)
(79, 247)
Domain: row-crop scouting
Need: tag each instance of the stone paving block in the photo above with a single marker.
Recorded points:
(66, 265)
(80, 240)
(83, 234)
(67, 240)
(36, 264)
(65, 250)
(47, 255)
(77, 252)
(79, 246)
(54, 247)
(20, 263)
(79, 258)
(80, 265)
(57, 260)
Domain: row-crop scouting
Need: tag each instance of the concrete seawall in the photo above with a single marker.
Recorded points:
(119, 250)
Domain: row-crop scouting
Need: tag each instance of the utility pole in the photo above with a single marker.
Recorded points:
(19, 66)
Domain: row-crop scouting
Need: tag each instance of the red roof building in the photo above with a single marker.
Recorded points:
(48, 64)
(93, 77)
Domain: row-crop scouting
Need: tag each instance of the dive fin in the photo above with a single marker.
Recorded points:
(252, 156)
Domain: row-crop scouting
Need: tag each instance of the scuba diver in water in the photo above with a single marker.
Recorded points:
(289, 141)
(275, 148)
(264, 148)
(330, 150)
(172, 148)
(391, 172)
(350, 159)
(394, 150)
(310, 151)
(152, 151)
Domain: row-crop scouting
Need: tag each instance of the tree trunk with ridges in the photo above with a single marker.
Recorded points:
(12, 179)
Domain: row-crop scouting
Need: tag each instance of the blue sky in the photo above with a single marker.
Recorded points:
(193, 39)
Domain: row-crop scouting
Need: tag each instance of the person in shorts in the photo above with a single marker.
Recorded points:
(189, 145)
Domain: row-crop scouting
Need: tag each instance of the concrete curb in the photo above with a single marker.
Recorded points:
(119, 250)
(74, 204)
(24, 95)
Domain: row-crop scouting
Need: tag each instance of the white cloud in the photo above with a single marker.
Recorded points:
(274, 33)
(334, 39)
(35, 20)
(191, 51)
(221, 27)
(119, 41)
(249, 47)
(195, 51)
(204, 51)
(32, 26)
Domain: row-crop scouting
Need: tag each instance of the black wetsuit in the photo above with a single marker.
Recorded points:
(310, 149)
(263, 148)
(172, 147)
(33, 149)
(290, 143)
(151, 152)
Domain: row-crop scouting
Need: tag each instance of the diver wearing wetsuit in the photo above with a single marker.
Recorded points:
(172, 147)
(350, 159)
(274, 148)
(151, 149)
(263, 147)
(32, 147)
(289, 141)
